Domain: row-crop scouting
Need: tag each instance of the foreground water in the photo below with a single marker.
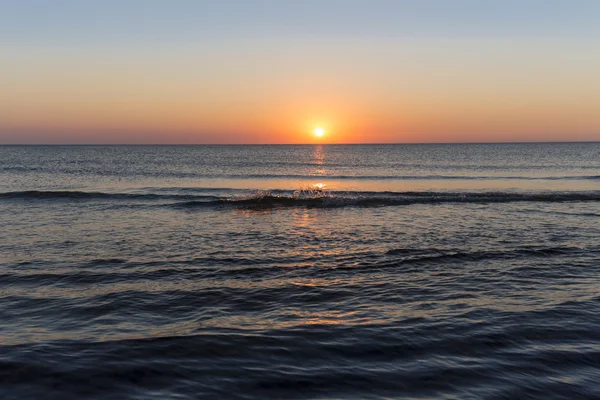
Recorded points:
(418, 271)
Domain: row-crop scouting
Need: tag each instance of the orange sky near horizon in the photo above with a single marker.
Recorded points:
(278, 91)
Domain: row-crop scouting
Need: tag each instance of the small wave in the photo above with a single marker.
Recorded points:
(428, 255)
(18, 168)
(398, 258)
(332, 200)
(74, 194)
(311, 197)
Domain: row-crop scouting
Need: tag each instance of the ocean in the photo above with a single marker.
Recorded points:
(459, 271)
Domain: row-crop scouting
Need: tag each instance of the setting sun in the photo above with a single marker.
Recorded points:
(319, 132)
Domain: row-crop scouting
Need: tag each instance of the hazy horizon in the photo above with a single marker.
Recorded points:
(298, 144)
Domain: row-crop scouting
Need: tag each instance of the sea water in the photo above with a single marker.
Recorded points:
(318, 271)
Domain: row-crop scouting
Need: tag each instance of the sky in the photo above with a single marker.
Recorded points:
(272, 71)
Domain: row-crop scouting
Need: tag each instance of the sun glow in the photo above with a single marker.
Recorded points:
(319, 131)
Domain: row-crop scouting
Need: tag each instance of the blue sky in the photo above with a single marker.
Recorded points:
(76, 21)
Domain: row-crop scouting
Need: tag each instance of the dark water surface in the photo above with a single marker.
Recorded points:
(398, 271)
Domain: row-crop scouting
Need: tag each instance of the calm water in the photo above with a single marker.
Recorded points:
(398, 271)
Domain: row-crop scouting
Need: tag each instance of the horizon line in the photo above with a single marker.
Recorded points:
(294, 144)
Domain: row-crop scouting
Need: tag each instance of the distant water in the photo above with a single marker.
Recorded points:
(254, 272)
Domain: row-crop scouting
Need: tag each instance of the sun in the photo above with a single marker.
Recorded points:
(319, 131)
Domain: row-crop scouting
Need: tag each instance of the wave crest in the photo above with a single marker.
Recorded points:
(326, 199)
(310, 197)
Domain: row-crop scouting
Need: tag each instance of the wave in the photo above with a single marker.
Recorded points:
(429, 255)
(123, 270)
(75, 194)
(390, 199)
(313, 198)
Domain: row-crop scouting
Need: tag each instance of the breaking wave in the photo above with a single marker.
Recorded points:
(311, 198)
(369, 199)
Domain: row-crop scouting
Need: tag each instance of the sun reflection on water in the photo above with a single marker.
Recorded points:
(319, 160)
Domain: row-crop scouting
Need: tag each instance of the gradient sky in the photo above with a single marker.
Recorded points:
(269, 71)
